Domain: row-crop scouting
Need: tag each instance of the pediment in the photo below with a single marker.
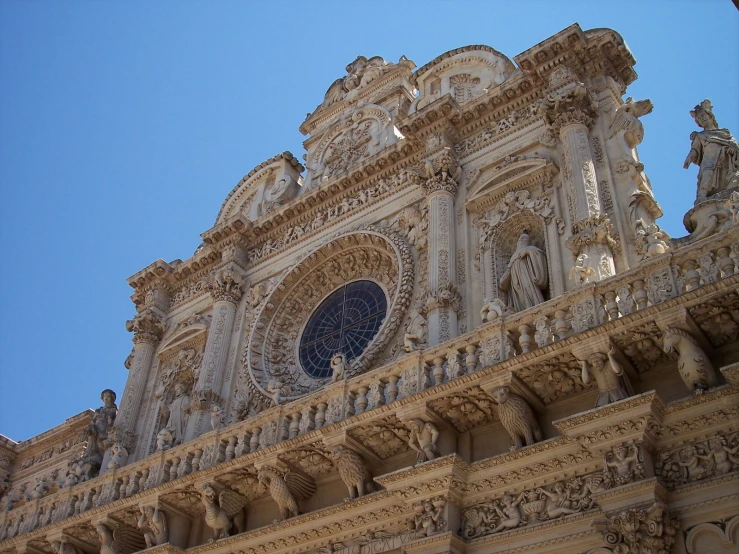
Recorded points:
(182, 337)
(492, 182)
(248, 195)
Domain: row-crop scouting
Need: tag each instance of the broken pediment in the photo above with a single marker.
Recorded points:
(265, 188)
(464, 73)
(514, 173)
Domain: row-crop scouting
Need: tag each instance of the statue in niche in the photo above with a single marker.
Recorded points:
(179, 410)
(526, 278)
(97, 432)
(715, 151)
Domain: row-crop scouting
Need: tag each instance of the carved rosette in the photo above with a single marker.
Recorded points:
(147, 327)
(375, 254)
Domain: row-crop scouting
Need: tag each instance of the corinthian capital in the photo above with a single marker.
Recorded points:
(147, 327)
(566, 106)
(442, 173)
(226, 284)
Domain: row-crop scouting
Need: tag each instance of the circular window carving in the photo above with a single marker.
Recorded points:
(298, 328)
(345, 322)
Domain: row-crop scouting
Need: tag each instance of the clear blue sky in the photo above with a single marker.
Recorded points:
(123, 125)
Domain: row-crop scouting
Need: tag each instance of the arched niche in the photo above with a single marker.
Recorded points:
(375, 254)
(505, 199)
(710, 538)
(502, 244)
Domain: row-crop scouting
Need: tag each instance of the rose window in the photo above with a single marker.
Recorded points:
(346, 321)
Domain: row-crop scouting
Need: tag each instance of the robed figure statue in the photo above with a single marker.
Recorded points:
(715, 151)
(526, 277)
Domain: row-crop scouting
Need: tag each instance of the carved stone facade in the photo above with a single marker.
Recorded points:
(457, 329)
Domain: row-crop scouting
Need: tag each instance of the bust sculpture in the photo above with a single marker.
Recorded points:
(526, 277)
(715, 151)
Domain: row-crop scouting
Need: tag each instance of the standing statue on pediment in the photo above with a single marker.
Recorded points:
(97, 433)
(526, 277)
(715, 151)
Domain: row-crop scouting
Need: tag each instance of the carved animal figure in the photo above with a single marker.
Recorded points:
(352, 471)
(153, 523)
(517, 418)
(287, 489)
(226, 513)
(626, 121)
(123, 540)
(694, 366)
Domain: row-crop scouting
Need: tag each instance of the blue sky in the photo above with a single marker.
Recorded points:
(123, 126)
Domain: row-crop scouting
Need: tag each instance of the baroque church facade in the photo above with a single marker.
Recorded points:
(455, 327)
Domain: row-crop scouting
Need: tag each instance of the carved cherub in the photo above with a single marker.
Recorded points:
(338, 367)
(581, 272)
(216, 417)
(165, 439)
(510, 513)
(558, 501)
(427, 521)
(274, 387)
(623, 464)
(493, 309)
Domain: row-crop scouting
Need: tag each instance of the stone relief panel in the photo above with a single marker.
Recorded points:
(465, 73)
(359, 134)
(373, 254)
(714, 457)
(385, 438)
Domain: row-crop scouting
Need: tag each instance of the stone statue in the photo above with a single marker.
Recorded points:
(423, 439)
(352, 471)
(526, 277)
(286, 489)
(415, 333)
(216, 417)
(338, 367)
(517, 418)
(179, 410)
(97, 432)
(165, 439)
(274, 387)
(693, 364)
(493, 309)
(224, 511)
(608, 377)
(715, 151)
(581, 273)
(153, 523)
(118, 456)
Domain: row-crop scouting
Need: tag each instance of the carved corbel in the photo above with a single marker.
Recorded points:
(62, 543)
(343, 439)
(443, 172)
(639, 529)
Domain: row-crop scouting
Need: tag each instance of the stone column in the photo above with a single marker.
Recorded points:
(148, 329)
(443, 301)
(569, 112)
(226, 290)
